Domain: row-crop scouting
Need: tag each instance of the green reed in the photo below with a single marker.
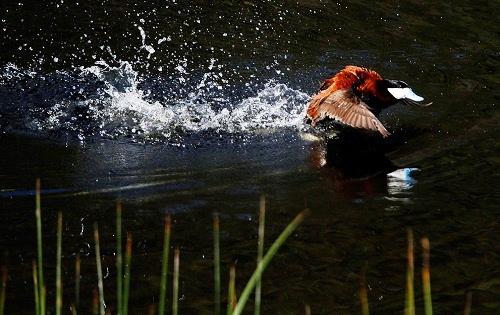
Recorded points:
(43, 298)
(100, 284)
(426, 276)
(77, 282)
(119, 261)
(292, 226)
(164, 265)
(3, 290)
(231, 291)
(363, 295)
(124, 276)
(307, 309)
(95, 302)
(58, 265)
(410, 271)
(38, 215)
(127, 274)
(235, 306)
(468, 303)
(151, 309)
(36, 288)
(260, 252)
(216, 232)
(175, 294)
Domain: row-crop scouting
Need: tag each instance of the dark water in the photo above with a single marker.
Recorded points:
(192, 108)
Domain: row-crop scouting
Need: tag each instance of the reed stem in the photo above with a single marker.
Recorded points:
(95, 302)
(260, 253)
(363, 296)
(100, 284)
(292, 226)
(175, 295)
(167, 227)
(58, 265)
(410, 271)
(216, 232)
(3, 290)
(77, 282)
(151, 309)
(127, 275)
(119, 262)
(231, 292)
(38, 215)
(36, 288)
(426, 275)
(468, 303)
(43, 298)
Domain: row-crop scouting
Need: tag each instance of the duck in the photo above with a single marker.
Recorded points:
(355, 96)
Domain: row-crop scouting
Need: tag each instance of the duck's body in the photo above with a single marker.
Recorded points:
(355, 96)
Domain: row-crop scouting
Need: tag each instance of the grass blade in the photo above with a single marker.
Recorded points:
(260, 252)
(77, 282)
(216, 232)
(363, 296)
(43, 298)
(308, 310)
(175, 295)
(410, 272)
(164, 265)
(100, 284)
(38, 215)
(126, 279)
(231, 291)
(267, 259)
(95, 302)
(151, 309)
(3, 290)
(36, 289)
(426, 276)
(468, 303)
(119, 267)
(58, 265)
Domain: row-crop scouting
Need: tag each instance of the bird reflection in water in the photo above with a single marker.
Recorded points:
(356, 165)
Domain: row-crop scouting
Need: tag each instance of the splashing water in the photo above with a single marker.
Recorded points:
(148, 48)
(113, 102)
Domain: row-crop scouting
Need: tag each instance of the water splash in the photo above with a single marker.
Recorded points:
(113, 102)
(144, 46)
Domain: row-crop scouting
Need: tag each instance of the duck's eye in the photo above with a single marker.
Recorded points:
(392, 84)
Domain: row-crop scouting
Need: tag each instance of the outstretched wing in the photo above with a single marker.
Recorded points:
(344, 106)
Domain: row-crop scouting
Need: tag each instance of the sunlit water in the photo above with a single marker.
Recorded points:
(193, 108)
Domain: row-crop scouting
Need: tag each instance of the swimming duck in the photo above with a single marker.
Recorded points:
(355, 96)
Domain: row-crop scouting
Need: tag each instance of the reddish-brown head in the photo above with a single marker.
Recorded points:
(370, 85)
(349, 77)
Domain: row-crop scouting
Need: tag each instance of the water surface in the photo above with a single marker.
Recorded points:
(192, 108)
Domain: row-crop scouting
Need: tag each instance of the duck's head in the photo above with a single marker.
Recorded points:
(400, 91)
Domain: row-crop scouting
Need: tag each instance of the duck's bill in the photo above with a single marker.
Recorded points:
(405, 93)
(407, 96)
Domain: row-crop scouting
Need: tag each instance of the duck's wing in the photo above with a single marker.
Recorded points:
(345, 107)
